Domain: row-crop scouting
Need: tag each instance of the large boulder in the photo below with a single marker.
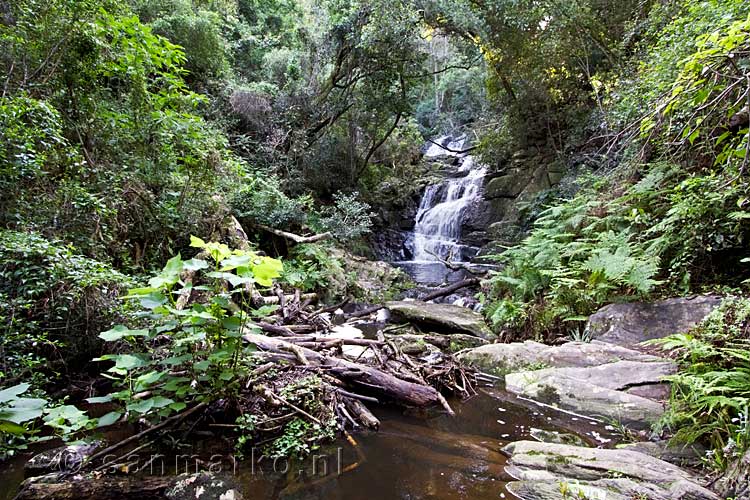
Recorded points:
(631, 323)
(548, 471)
(684, 455)
(442, 318)
(596, 391)
(374, 281)
(501, 359)
(596, 379)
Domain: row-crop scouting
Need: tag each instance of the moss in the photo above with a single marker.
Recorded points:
(558, 459)
(548, 395)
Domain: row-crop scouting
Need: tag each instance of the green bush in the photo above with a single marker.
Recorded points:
(710, 400)
(53, 302)
(263, 201)
(199, 34)
(347, 219)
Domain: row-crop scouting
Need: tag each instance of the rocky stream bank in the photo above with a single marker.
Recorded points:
(611, 384)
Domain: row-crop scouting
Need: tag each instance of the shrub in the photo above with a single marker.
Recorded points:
(263, 201)
(710, 400)
(200, 35)
(191, 352)
(347, 219)
(52, 302)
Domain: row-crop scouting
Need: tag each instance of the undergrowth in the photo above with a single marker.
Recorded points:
(711, 393)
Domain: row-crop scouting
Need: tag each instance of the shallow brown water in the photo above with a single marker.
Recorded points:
(410, 458)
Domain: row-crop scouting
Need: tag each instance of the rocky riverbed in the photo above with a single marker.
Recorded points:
(553, 431)
(610, 379)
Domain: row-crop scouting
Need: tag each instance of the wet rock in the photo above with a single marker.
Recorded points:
(61, 459)
(618, 375)
(596, 391)
(557, 471)
(632, 323)
(546, 436)
(501, 359)
(444, 318)
(375, 280)
(448, 343)
(202, 486)
(657, 392)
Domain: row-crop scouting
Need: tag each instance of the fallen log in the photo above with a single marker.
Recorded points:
(275, 329)
(294, 237)
(362, 414)
(457, 266)
(288, 297)
(450, 289)
(364, 312)
(362, 376)
(454, 151)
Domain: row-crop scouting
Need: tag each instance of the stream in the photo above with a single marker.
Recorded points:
(411, 457)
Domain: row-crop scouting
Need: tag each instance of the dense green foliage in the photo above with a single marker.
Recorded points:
(711, 394)
(672, 217)
(202, 343)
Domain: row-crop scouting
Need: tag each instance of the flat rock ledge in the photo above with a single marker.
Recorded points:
(547, 471)
(596, 379)
(501, 359)
(442, 318)
(597, 391)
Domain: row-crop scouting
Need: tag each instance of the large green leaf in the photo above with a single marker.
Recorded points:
(12, 392)
(169, 275)
(11, 428)
(265, 269)
(121, 331)
(23, 410)
(109, 419)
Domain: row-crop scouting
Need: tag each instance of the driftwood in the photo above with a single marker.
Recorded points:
(364, 377)
(275, 329)
(294, 237)
(362, 414)
(450, 289)
(454, 151)
(457, 266)
(364, 312)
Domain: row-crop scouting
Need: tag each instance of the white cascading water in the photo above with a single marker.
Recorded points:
(438, 223)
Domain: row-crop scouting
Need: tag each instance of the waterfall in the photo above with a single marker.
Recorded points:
(438, 222)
